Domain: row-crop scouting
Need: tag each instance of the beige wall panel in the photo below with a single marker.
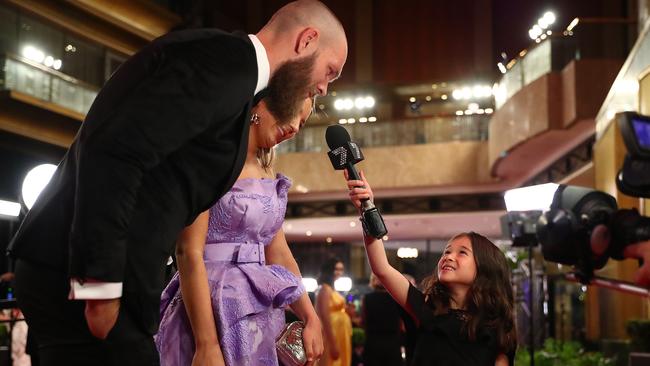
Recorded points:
(524, 115)
(583, 93)
(394, 166)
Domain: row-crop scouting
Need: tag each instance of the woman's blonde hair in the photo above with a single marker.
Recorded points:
(265, 156)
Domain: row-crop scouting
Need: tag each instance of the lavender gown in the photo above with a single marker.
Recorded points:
(247, 296)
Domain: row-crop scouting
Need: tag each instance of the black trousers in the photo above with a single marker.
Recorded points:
(60, 328)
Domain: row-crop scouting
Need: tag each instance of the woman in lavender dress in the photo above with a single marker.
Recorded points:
(225, 305)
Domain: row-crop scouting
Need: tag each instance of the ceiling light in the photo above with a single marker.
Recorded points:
(360, 103)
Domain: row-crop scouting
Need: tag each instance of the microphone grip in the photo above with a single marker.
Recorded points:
(373, 223)
(371, 220)
(352, 172)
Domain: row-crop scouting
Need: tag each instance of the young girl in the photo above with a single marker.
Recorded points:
(464, 316)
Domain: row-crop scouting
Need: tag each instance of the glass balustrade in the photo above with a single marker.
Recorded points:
(23, 76)
(395, 132)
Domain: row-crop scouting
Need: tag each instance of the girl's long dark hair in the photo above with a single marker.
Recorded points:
(490, 300)
(326, 275)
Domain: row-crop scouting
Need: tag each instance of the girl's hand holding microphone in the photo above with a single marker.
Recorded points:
(358, 189)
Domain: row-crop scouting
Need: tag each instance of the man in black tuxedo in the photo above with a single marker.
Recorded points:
(165, 138)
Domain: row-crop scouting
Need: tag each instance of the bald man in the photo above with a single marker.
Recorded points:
(165, 138)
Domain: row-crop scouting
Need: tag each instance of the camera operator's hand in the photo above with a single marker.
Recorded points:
(641, 251)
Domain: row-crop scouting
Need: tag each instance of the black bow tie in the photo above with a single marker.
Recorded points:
(260, 95)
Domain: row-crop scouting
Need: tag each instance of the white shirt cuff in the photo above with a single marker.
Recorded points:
(94, 290)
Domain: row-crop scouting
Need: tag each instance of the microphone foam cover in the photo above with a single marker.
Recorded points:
(336, 136)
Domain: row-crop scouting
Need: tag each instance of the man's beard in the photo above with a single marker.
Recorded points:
(289, 87)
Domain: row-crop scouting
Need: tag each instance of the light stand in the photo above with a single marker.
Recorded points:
(525, 206)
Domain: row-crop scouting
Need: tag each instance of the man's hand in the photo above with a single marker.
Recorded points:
(101, 316)
(312, 340)
(641, 251)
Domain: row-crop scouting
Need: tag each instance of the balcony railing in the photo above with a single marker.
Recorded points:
(21, 75)
(585, 38)
(397, 132)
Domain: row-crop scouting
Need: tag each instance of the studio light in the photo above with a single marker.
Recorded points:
(310, 284)
(8, 208)
(343, 284)
(35, 181)
(533, 198)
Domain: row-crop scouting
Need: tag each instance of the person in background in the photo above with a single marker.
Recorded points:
(381, 320)
(331, 308)
(409, 330)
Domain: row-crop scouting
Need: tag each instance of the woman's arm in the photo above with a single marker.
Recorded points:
(323, 309)
(278, 252)
(394, 282)
(196, 292)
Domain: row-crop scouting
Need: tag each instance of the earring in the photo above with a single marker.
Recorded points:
(255, 119)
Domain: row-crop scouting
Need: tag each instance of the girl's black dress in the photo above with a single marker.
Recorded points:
(441, 340)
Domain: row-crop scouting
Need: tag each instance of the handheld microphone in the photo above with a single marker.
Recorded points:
(344, 154)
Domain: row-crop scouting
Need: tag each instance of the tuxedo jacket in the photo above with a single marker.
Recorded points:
(165, 138)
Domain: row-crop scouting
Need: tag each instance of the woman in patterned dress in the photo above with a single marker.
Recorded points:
(236, 272)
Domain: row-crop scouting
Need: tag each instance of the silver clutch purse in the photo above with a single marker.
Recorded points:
(289, 347)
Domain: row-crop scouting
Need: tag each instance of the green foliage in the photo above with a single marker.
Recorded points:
(557, 353)
(4, 334)
(639, 331)
(358, 336)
